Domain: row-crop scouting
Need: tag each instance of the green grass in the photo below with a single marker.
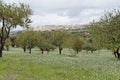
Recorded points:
(16, 65)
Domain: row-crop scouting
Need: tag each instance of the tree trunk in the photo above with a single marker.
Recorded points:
(2, 37)
(7, 47)
(77, 51)
(114, 52)
(24, 49)
(13, 45)
(48, 50)
(60, 50)
(91, 51)
(30, 50)
(1, 49)
(42, 51)
(117, 52)
(0, 53)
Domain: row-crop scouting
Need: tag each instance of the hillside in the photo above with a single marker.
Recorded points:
(56, 27)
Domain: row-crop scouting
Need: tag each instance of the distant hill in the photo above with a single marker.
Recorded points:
(56, 27)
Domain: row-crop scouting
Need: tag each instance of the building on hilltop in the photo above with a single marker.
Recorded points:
(57, 27)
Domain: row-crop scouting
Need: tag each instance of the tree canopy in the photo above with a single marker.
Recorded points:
(105, 32)
(59, 39)
(12, 15)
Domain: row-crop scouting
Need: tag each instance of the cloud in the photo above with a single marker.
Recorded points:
(52, 19)
(48, 12)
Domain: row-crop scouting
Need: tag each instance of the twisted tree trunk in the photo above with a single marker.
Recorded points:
(60, 50)
(116, 53)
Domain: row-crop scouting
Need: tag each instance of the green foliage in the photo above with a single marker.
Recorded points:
(105, 32)
(59, 39)
(97, 35)
(27, 39)
(12, 15)
(45, 42)
(76, 43)
(21, 40)
(13, 40)
(89, 48)
(7, 44)
(31, 38)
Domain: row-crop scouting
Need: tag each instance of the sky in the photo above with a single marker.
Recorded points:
(67, 12)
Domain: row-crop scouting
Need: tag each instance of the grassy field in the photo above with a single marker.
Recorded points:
(16, 65)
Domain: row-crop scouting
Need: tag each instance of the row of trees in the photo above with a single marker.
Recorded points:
(103, 33)
(13, 15)
(49, 40)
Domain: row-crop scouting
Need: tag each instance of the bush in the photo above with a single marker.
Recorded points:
(89, 48)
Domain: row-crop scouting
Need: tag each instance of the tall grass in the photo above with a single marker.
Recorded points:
(16, 65)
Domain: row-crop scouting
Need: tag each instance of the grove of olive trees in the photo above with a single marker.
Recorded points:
(49, 40)
(101, 34)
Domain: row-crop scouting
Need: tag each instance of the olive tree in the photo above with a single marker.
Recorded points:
(12, 15)
(45, 41)
(77, 44)
(59, 39)
(21, 41)
(7, 44)
(106, 31)
(27, 40)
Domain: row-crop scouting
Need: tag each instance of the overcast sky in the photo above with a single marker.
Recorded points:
(66, 12)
